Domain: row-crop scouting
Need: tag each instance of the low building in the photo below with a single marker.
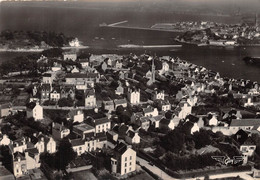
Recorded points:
(19, 164)
(83, 130)
(144, 123)
(4, 140)
(158, 95)
(5, 109)
(132, 137)
(59, 131)
(55, 94)
(90, 98)
(78, 145)
(34, 110)
(69, 56)
(245, 124)
(150, 111)
(76, 116)
(166, 124)
(73, 78)
(108, 105)
(120, 102)
(248, 147)
(100, 125)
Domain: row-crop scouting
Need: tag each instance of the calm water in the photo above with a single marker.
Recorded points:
(83, 22)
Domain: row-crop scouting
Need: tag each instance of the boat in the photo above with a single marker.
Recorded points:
(252, 60)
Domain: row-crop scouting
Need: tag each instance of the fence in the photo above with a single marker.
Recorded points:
(193, 173)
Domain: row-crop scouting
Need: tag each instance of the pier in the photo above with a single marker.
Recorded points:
(114, 24)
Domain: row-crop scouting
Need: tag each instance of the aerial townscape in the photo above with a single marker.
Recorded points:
(70, 112)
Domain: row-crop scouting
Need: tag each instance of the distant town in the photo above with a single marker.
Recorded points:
(68, 115)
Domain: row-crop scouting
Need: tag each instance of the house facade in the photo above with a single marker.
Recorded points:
(124, 161)
(133, 96)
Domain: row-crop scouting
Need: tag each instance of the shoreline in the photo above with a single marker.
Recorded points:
(40, 49)
(134, 46)
(208, 45)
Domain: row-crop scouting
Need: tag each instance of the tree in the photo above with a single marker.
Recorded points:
(63, 102)
(64, 155)
(202, 138)
(54, 52)
(173, 141)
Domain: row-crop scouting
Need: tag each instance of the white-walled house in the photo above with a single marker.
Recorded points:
(76, 116)
(18, 145)
(101, 125)
(213, 121)
(90, 98)
(158, 95)
(133, 96)
(124, 160)
(59, 131)
(34, 110)
(4, 140)
(132, 137)
(150, 111)
(248, 147)
(184, 110)
(167, 124)
(195, 128)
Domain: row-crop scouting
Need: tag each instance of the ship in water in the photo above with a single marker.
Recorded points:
(252, 60)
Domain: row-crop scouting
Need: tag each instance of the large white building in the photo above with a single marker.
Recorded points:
(124, 160)
(133, 96)
(34, 110)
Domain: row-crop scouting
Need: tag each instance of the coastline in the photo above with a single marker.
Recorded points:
(134, 46)
(39, 49)
(208, 45)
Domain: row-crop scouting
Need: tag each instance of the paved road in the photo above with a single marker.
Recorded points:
(245, 175)
(154, 169)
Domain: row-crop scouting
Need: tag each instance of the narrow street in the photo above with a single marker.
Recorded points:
(154, 169)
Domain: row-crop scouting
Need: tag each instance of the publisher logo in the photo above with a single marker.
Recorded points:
(227, 160)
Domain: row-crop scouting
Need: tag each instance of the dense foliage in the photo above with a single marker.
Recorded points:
(39, 38)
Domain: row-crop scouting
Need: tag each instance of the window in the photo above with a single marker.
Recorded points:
(80, 148)
(130, 157)
(130, 169)
(125, 164)
(125, 170)
(125, 158)
(130, 163)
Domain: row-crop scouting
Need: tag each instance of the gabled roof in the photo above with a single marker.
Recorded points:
(77, 142)
(144, 119)
(245, 122)
(31, 105)
(157, 118)
(148, 109)
(101, 121)
(120, 101)
(90, 92)
(81, 75)
(131, 134)
(19, 155)
(121, 148)
(249, 141)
